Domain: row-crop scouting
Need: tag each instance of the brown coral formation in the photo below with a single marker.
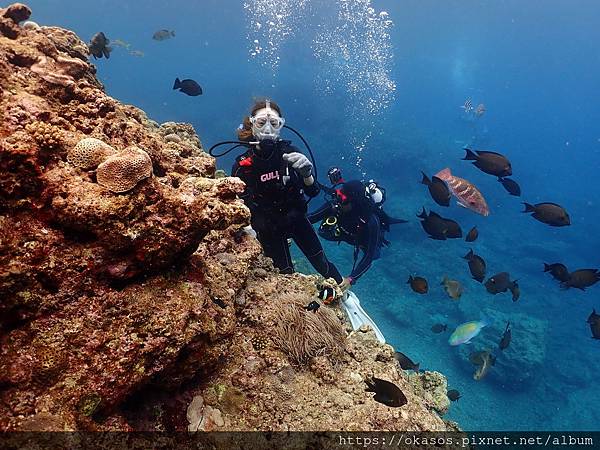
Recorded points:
(47, 136)
(10, 18)
(122, 171)
(105, 297)
(89, 153)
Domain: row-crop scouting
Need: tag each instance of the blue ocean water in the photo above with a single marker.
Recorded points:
(376, 88)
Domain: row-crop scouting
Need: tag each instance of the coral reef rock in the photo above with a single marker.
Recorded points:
(151, 309)
(433, 387)
(272, 388)
(523, 363)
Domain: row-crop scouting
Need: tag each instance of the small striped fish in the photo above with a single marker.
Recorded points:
(480, 109)
(465, 191)
(468, 106)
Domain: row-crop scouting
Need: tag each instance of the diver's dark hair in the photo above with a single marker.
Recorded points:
(245, 133)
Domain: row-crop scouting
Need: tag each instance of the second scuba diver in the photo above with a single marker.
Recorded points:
(277, 177)
(354, 214)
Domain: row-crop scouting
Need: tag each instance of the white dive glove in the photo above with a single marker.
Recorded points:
(299, 163)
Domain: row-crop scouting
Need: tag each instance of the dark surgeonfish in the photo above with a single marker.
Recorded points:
(549, 213)
(453, 395)
(511, 186)
(405, 362)
(439, 328)
(594, 321)
(162, 35)
(476, 265)
(581, 279)
(558, 271)
(506, 337)
(98, 46)
(438, 227)
(433, 225)
(418, 284)
(437, 189)
(454, 231)
(189, 87)
(386, 392)
(472, 235)
(489, 162)
(499, 283)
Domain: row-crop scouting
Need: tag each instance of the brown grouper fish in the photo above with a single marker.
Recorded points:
(465, 191)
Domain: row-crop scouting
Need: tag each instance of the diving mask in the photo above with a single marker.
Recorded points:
(266, 123)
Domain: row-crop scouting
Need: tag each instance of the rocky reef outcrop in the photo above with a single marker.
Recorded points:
(119, 285)
(522, 364)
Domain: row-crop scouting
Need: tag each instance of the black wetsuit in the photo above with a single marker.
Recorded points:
(275, 194)
(363, 227)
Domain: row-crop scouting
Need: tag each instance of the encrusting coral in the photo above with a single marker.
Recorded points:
(122, 171)
(433, 387)
(47, 136)
(89, 153)
(117, 306)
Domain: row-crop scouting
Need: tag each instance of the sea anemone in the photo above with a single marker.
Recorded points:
(303, 334)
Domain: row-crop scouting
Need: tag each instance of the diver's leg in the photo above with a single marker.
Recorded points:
(305, 237)
(275, 246)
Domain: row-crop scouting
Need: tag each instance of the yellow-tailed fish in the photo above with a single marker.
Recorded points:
(467, 331)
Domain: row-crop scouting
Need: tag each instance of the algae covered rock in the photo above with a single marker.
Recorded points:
(433, 387)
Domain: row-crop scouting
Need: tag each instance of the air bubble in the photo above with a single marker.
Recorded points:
(281, 18)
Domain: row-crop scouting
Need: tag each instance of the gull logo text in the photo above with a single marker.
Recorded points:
(269, 176)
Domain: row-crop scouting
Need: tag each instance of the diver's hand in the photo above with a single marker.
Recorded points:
(299, 163)
(345, 285)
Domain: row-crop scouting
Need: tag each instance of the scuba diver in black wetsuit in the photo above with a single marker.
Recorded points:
(354, 214)
(277, 178)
